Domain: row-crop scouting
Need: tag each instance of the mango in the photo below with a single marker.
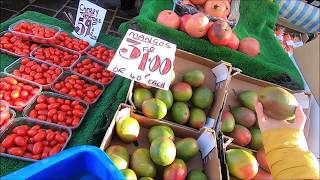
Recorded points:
(180, 112)
(196, 175)
(278, 103)
(160, 131)
(128, 129)
(241, 164)
(256, 139)
(194, 77)
(261, 158)
(162, 151)
(244, 116)
(129, 174)
(187, 148)
(175, 171)
(145, 178)
(154, 108)
(241, 135)
(140, 95)
(165, 96)
(248, 99)
(119, 156)
(262, 175)
(181, 91)
(142, 164)
(197, 118)
(227, 122)
(202, 97)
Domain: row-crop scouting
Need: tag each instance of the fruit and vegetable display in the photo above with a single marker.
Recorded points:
(12, 45)
(33, 141)
(54, 108)
(17, 92)
(201, 24)
(241, 124)
(33, 31)
(55, 56)
(35, 71)
(5, 113)
(78, 87)
(101, 53)
(93, 70)
(186, 102)
(163, 155)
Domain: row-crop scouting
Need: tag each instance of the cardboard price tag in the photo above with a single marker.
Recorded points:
(89, 21)
(145, 59)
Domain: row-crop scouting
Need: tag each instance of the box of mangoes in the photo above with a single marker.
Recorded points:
(238, 121)
(146, 149)
(195, 97)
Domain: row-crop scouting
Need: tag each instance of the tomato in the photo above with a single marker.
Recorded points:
(102, 53)
(40, 136)
(22, 127)
(20, 141)
(16, 151)
(59, 138)
(27, 155)
(8, 141)
(55, 150)
(37, 148)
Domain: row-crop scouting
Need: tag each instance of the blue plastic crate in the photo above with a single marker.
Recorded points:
(81, 163)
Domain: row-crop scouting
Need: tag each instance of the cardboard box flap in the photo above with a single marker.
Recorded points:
(206, 142)
(221, 72)
(307, 58)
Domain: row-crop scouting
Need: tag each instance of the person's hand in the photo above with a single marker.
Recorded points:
(266, 123)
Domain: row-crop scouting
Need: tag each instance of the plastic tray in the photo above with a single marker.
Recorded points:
(68, 73)
(34, 38)
(10, 52)
(63, 49)
(28, 108)
(80, 162)
(15, 65)
(12, 113)
(100, 63)
(95, 58)
(31, 122)
(19, 108)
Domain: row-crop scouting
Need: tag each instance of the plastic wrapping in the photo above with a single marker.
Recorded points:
(95, 58)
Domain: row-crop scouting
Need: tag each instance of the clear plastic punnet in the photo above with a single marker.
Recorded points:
(34, 38)
(96, 61)
(69, 73)
(31, 106)
(96, 58)
(31, 122)
(15, 65)
(25, 82)
(6, 114)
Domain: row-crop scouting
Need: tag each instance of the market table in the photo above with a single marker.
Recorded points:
(92, 129)
(257, 19)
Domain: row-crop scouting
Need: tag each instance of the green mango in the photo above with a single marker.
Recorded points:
(248, 99)
(142, 164)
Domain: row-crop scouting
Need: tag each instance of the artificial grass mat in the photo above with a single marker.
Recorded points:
(93, 127)
(257, 19)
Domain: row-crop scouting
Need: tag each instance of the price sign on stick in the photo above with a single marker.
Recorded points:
(89, 21)
(145, 59)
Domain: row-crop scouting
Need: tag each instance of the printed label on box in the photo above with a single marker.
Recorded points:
(89, 21)
(145, 59)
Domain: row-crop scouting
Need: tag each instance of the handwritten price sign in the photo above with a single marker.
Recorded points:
(145, 59)
(89, 21)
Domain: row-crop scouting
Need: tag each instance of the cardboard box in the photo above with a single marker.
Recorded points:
(217, 76)
(210, 163)
(240, 82)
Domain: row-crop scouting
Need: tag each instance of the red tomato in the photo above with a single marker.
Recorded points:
(20, 141)
(40, 136)
(8, 141)
(37, 148)
(16, 151)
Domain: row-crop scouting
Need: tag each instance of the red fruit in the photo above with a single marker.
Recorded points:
(198, 2)
(261, 158)
(16, 151)
(183, 21)
(233, 42)
(197, 25)
(220, 33)
(262, 175)
(8, 141)
(217, 8)
(241, 135)
(249, 46)
(169, 19)
(20, 141)
(177, 170)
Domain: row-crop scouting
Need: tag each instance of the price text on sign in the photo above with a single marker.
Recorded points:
(145, 59)
(89, 21)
